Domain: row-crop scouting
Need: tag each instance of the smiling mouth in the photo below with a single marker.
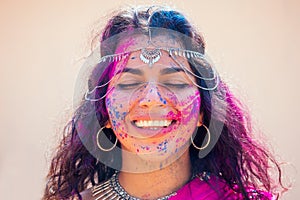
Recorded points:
(153, 124)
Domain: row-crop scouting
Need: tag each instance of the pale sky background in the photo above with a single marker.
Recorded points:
(254, 44)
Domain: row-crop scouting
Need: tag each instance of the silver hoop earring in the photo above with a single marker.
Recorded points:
(98, 144)
(208, 139)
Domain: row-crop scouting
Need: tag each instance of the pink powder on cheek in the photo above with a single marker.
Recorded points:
(180, 141)
(190, 99)
(190, 107)
(172, 115)
(123, 136)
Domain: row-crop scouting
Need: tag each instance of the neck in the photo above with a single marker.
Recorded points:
(158, 183)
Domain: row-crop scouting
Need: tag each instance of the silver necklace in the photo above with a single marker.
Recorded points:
(112, 190)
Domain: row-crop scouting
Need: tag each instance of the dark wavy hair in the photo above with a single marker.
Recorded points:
(237, 157)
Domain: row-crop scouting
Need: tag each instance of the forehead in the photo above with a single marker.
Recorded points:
(138, 41)
(165, 62)
(134, 43)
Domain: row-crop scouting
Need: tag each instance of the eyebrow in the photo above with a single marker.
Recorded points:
(133, 71)
(170, 70)
(162, 71)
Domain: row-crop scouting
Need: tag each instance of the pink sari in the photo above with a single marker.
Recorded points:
(214, 189)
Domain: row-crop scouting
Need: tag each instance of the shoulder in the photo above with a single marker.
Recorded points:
(234, 192)
(215, 188)
(251, 193)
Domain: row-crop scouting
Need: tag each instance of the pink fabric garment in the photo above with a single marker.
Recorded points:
(214, 189)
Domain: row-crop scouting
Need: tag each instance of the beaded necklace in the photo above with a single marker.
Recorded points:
(112, 190)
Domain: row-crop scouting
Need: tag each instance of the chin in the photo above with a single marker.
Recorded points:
(162, 156)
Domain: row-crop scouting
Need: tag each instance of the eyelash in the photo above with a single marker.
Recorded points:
(129, 85)
(134, 85)
(177, 86)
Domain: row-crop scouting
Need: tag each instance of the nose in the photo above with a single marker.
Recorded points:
(152, 97)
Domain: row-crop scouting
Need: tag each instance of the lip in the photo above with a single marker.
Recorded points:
(151, 124)
(155, 113)
(153, 132)
(147, 116)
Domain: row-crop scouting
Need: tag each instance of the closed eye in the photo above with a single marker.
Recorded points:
(127, 86)
(177, 85)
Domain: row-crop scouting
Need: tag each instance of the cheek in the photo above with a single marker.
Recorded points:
(117, 113)
(116, 109)
(190, 112)
(190, 108)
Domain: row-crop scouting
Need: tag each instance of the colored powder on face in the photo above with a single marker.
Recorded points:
(186, 108)
(117, 114)
(160, 166)
(145, 147)
(114, 111)
(162, 147)
(122, 47)
(161, 99)
(173, 115)
(123, 135)
(108, 101)
(128, 42)
(114, 123)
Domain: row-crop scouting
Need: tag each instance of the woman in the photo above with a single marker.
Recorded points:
(157, 122)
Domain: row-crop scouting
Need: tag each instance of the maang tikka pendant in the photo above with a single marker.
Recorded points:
(150, 56)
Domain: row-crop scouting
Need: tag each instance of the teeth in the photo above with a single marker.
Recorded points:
(153, 123)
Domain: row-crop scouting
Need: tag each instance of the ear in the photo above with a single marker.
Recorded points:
(108, 124)
(200, 120)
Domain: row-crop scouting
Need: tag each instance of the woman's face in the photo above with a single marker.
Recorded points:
(153, 110)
